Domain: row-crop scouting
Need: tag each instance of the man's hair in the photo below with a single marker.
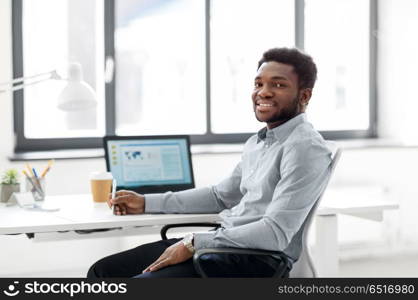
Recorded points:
(302, 63)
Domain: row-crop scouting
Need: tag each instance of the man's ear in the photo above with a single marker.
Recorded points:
(305, 96)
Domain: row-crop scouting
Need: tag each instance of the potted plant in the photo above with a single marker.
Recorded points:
(9, 184)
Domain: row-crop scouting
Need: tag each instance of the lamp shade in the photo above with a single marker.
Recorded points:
(77, 94)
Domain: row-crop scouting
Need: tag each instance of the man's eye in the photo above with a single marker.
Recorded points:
(257, 84)
(279, 85)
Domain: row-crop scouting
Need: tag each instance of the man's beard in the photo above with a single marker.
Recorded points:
(285, 114)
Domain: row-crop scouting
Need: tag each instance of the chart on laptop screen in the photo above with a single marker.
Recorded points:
(147, 162)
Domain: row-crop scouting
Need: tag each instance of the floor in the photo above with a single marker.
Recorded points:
(400, 266)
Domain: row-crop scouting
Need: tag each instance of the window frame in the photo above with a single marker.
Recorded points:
(23, 144)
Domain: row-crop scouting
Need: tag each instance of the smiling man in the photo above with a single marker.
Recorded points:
(263, 203)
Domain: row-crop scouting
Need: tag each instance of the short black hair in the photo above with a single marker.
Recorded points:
(302, 63)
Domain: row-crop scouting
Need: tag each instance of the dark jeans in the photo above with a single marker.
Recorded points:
(130, 263)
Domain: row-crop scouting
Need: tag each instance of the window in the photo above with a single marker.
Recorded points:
(236, 47)
(341, 51)
(160, 55)
(186, 66)
(77, 35)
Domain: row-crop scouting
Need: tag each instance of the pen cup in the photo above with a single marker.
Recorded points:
(37, 193)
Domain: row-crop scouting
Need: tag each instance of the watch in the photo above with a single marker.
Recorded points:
(188, 242)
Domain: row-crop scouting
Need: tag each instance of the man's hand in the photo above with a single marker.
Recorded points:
(173, 255)
(127, 202)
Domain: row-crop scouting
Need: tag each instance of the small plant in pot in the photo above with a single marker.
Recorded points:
(9, 184)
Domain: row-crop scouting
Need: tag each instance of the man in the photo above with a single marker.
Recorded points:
(263, 203)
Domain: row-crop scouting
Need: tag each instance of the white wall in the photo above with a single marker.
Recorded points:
(392, 168)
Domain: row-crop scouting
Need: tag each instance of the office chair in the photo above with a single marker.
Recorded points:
(303, 267)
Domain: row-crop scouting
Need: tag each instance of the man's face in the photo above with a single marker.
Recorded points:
(276, 97)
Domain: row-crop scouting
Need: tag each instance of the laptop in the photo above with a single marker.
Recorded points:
(150, 164)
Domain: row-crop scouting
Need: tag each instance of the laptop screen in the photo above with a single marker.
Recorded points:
(150, 163)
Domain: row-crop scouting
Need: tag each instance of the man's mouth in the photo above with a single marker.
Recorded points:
(263, 106)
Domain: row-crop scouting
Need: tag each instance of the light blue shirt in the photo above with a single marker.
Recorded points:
(268, 196)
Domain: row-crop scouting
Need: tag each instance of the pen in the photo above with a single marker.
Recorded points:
(113, 188)
(47, 168)
(29, 169)
(113, 191)
(33, 184)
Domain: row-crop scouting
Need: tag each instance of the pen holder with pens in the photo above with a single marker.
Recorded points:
(37, 187)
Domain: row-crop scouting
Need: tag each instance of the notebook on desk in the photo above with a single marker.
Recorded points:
(150, 164)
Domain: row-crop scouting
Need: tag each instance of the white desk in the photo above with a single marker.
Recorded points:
(365, 203)
(78, 212)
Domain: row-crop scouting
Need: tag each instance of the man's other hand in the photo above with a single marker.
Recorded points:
(127, 202)
(173, 255)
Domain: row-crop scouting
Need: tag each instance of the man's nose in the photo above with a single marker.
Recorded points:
(265, 92)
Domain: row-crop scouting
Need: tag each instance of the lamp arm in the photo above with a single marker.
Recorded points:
(34, 79)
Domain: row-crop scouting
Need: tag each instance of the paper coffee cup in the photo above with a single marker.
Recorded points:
(101, 185)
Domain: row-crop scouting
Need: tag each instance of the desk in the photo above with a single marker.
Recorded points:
(78, 212)
(365, 203)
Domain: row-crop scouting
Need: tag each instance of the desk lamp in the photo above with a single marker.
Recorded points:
(76, 95)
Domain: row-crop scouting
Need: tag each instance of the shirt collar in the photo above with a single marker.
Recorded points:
(282, 131)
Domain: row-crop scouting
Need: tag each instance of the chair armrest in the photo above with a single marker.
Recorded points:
(284, 267)
(165, 228)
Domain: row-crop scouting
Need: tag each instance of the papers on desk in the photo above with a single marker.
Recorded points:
(26, 201)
